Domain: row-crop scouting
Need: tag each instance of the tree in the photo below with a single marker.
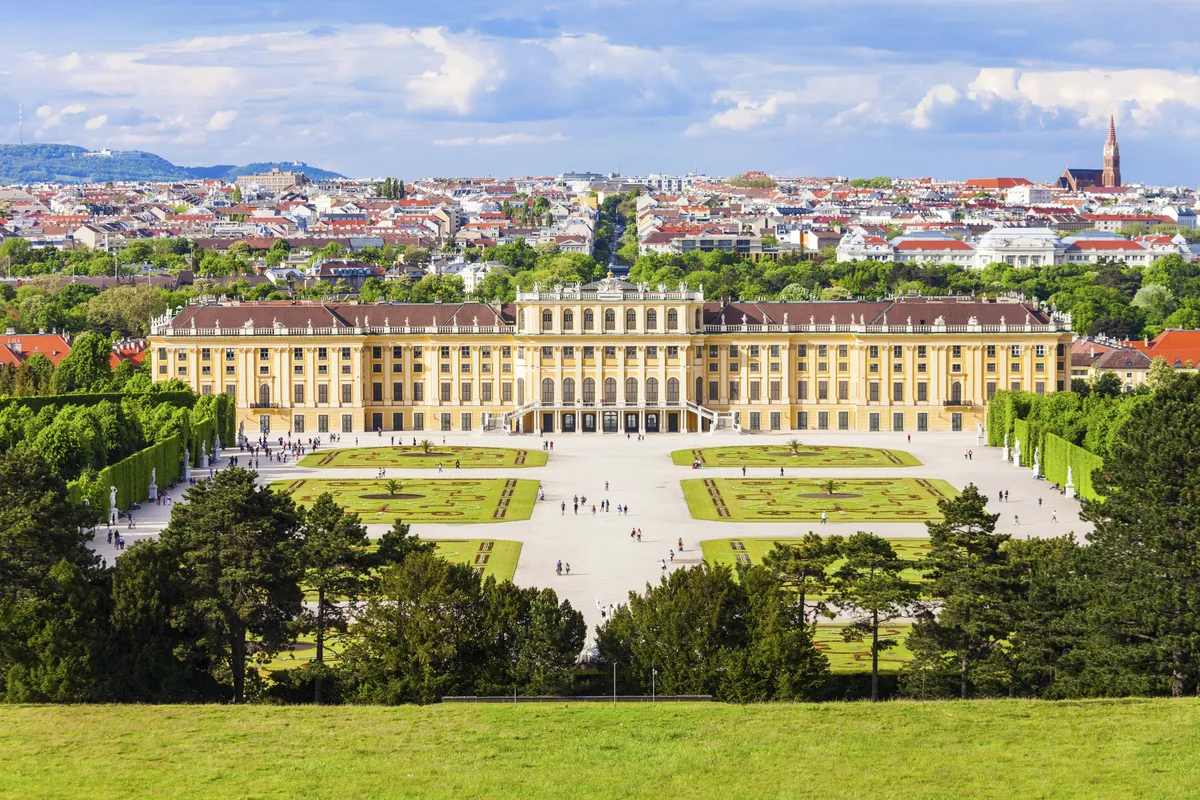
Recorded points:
(968, 573)
(804, 569)
(1143, 610)
(425, 446)
(87, 366)
(793, 446)
(1161, 374)
(830, 486)
(51, 610)
(393, 487)
(702, 632)
(869, 586)
(239, 564)
(1107, 384)
(398, 544)
(332, 552)
(236, 195)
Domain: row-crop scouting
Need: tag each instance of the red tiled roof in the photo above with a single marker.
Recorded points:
(14, 349)
(933, 244)
(1105, 244)
(1179, 348)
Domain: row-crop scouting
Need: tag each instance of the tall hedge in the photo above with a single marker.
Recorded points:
(131, 476)
(1059, 454)
(178, 399)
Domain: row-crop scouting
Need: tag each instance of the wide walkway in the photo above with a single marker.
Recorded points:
(606, 564)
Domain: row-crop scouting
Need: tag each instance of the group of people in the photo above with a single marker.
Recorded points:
(548, 445)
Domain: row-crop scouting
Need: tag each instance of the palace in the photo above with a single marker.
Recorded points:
(612, 357)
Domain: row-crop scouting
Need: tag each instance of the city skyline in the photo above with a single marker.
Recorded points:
(918, 88)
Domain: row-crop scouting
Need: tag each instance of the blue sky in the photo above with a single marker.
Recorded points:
(949, 88)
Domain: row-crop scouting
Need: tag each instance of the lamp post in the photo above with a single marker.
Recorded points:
(653, 675)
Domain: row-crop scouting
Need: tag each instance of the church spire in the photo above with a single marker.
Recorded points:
(1111, 177)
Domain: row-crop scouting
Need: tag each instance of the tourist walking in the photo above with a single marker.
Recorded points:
(681, 544)
(824, 519)
(564, 508)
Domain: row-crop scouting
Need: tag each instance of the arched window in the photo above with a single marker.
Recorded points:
(264, 395)
(697, 319)
(520, 391)
(589, 320)
(568, 391)
(610, 390)
(547, 320)
(651, 391)
(956, 392)
(547, 391)
(610, 320)
(631, 390)
(568, 320)
(589, 392)
(652, 320)
(672, 320)
(672, 391)
(630, 320)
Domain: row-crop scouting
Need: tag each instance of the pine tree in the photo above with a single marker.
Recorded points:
(868, 585)
(969, 574)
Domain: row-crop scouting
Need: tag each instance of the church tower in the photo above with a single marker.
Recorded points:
(1112, 158)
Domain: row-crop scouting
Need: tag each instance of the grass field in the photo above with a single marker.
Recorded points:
(422, 499)
(797, 499)
(856, 656)
(780, 455)
(993, 749)
(416, 458)
(751, 551)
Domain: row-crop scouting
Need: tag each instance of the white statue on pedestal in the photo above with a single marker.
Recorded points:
(216, 448)
(153, 491)
(979, 433)
(203, 456)
(1037, 462)
(1016, 459)
(1004, 454)
(187, 466)
(112, 503)
(1070, 487)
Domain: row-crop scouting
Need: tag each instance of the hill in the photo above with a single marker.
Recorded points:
(64, 163)
(987, 749)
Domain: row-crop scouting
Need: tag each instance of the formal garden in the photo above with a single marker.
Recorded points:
(426, 455)
(794, 453)
(800, 499)
(732, 552)
(378, 501)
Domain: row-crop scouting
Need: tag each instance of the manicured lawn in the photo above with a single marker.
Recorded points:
(423, 499)
(416, 458)
(795, 499)
(856, 656)
(751, 551)
(989, 749)
(780, 455)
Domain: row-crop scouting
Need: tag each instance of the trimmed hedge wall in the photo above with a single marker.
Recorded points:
(1059, 454)
(131, 476)
(178, 399)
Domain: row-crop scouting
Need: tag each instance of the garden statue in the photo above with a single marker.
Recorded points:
(187, 466)
(1016, 459)
(1004, 453)
(216, 448)
(203, 456)
(1037, 465)
(1070, 487)
(112, 503)
(153, 491)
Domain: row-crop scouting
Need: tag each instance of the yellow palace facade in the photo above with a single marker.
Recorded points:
(612, 357)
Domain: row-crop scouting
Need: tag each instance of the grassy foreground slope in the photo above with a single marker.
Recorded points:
(1000, 749)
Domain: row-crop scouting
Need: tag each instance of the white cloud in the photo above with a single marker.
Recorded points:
(501, 139)
(1081, 97)
(464, 71)
(96, 123)
(942, 94)
(221, 121)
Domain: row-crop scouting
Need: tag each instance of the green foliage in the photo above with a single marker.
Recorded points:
(239, 569)
(703, 632)
(436, 629)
